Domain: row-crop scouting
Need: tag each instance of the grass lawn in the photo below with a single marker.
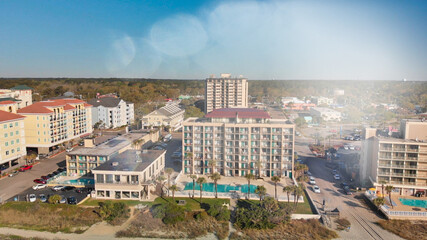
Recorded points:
(302, 208)
(94, 202)
(193, 204)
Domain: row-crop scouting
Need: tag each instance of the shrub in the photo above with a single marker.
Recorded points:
(170, 213)
(113, 212)
(54, 199)
(218, 211)
(202, 215)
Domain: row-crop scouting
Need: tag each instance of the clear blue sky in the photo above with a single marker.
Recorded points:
(329, 39)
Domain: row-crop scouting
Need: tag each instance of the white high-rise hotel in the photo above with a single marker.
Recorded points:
(226, 92)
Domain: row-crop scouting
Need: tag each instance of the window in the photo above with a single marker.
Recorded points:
(12, 142)
(126, 194)
(13, 150)
(5, 126)
(107, 194)
(11, 125)
(99, 178)
(5, 135)
(116, 178)
(17, 132)
(109, 178)
(11, 134)
(6, 144)
(135, 194)
(7, 152)
(18, 149)
(16, 124)
(100, 193)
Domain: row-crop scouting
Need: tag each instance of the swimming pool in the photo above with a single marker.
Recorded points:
(81, 181)
(210, 187)
(414, 202)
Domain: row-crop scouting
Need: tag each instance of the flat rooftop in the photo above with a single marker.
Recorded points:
(269, 121)
(110, 146)
(131, 160)
(401, 140)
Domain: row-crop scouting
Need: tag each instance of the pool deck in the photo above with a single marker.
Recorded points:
(182, 180)
(401, 207)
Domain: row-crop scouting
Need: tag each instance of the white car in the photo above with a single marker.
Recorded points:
(345, 147)
(69, 149)
(312, 181)
(316, 189)
(309, 173)
(32, 198)
(337, 177)
(39, 186)
(351, 147)
(57, 188)
(63, 199)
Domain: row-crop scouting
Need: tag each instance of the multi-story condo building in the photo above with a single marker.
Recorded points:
(111, 111)
(225, 92)
(82, 161)
(22, 95)
(238, 141)
(401, 162)
(129, 175)
(54, 122)
(170, 115)
(12, 139)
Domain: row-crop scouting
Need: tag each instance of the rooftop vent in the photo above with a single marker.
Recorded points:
(115, 164)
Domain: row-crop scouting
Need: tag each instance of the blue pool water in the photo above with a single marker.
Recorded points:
(82, 181)
(414, 202)
(210, 187)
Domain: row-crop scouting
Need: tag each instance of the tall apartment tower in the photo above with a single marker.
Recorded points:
(225, 92)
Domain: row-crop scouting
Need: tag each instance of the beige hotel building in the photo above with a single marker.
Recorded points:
(225, 92)
(12, 138)
(53, 122)
(238, 141)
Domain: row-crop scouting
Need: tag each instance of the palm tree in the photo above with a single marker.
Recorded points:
(389, 189)
(379, 201)
(215, 177)
(160, 179)
(174, 188)
(249, 177)
(200, 181)
(169, 172)
(261, 191)
(382, 182)
(275, 179)
(212, 164)
(194, 177)
(259, 165)
(288, 190)
(299, 191)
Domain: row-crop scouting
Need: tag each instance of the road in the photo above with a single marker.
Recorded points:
(12, 186)
(363, 219)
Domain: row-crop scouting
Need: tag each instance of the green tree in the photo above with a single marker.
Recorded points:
(382, 182)
(261, 191)
(212, 164)
(54, 199)
(389, 189)
(298, 191)
(379, 201)
(194, 178)
(193, 111)
(249, 177)
(300, 122)
(215, 177)
(201, 181)
(275, 180)
(288, 189)
(174, 188)
(169, 172)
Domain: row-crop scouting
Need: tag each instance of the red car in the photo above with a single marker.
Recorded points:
(39, 180)
(25, 168)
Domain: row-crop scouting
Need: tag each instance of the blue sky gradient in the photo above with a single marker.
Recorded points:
(332, 39)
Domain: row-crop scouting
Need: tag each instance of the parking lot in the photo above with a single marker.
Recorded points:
(47, 191)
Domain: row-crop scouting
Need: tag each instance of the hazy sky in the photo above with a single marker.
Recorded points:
(193, 39)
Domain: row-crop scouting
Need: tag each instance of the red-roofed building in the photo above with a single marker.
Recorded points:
(21, 94)
(12, 139)
(55, 122)
(239, 141)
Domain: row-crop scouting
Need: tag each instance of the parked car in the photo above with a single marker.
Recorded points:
(334, 172)
(39, 186)
(351, 147)
(176, 154)
(68, 188)
(347, 191)
(42, 198)
(337, 177)
(69, 149)
(312, 181)
(45, 177)
(309, 173)
(39, 180)
(57, 188)
(344, 185)
(63, 199)
(14, 173)
(72, 200)
(316, 189)
(32, 198)
(25, 168)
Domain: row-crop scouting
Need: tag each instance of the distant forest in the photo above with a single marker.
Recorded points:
(145, 92)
